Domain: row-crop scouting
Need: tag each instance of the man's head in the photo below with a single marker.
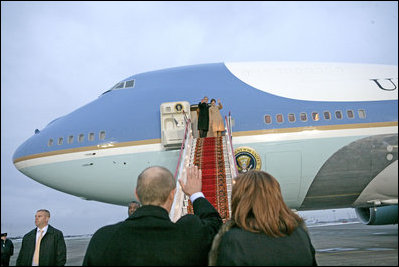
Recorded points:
(156, 186)
(4, 236)
(133, 206)
(41, 218)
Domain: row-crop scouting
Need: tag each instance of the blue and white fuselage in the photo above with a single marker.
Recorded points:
(327, 131)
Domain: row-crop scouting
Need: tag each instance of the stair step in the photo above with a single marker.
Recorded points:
(209, 155)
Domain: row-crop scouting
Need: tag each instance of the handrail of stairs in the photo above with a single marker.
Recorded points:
(180, 173)
(230, 149)
(187, 131)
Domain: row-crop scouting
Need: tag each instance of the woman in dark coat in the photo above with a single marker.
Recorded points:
(203, 117)
(263, 230)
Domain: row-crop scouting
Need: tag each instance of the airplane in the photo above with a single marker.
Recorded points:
(328, 132)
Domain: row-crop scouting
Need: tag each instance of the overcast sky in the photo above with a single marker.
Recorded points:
(58, 56)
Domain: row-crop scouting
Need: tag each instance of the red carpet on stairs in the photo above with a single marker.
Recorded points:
(209, 158)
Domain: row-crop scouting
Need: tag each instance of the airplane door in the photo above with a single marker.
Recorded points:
(173, 123)
(194, 120)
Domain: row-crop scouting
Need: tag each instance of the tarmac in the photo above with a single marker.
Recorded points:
(350, 244)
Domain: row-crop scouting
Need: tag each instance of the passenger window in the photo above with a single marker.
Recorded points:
(315, 116)
(102, 135)
(81, 138)
(50, 142)
(338, 114)
(327, 115)
(60, 140)
(91, 136)
(291, 117)
(268, 119)
(304, 116)
(70, 139)
(362, 113)
(350, 114)
(279, 118)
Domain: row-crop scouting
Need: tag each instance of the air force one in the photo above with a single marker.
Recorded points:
(328, 132)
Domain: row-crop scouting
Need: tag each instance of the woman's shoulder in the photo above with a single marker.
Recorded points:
(213, 108)
(302, 231)
(239, 233)
(236, 233)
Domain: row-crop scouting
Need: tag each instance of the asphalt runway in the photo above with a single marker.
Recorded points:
(351, 244)
(355, 244)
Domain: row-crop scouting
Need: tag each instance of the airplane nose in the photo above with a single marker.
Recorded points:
(23, 151)
(29, 149)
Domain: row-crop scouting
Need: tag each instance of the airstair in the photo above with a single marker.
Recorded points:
(215, 157)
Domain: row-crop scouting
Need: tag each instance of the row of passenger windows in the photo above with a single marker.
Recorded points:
(268, 120)
(350, 114)
(80, 138)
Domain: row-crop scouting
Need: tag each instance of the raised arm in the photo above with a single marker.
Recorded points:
(220, 104)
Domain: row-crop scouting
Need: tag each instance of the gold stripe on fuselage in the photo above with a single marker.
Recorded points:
(319, 128)
(235, 134)
(89, 148)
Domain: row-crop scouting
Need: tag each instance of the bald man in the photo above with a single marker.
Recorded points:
(149, 237)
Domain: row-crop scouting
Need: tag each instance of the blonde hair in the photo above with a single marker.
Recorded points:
(45, 211)
(258, 206)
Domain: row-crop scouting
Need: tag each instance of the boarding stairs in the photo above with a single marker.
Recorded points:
(215, 157)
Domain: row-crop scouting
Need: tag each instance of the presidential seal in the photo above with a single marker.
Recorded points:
(247, 159)
(179, 107)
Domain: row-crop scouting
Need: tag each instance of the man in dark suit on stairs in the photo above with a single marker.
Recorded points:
(149, 237)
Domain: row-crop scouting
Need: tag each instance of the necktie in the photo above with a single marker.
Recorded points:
(37, 248)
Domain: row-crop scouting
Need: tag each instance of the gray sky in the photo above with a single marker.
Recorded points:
(58, 56)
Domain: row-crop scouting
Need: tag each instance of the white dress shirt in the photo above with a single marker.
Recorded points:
(194, 196)
(37, 237)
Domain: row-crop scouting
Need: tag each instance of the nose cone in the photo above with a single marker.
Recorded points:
(22, 151)
(26, 150)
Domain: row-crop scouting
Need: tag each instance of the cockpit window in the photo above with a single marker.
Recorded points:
(121, 85)
(129, 84)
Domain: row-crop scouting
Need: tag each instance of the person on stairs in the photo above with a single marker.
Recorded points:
(203, 117)
(216, 125)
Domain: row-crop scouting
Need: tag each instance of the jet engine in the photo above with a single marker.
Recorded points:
(378, 215)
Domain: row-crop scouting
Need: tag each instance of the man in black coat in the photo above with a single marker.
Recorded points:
(7, 250)
(51, 249)
(133, 206)
(203, 117)
(149, 237)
